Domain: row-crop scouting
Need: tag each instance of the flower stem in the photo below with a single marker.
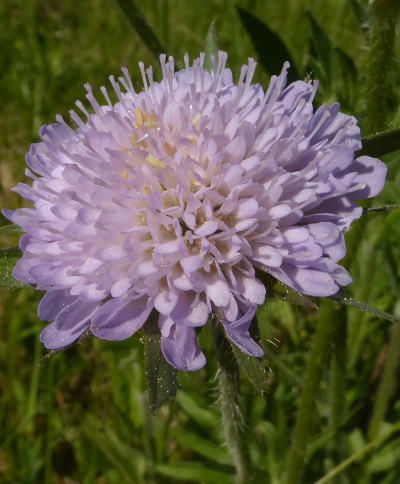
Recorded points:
(381, 58)
(232, 418)
(388, 380)
(317, 359)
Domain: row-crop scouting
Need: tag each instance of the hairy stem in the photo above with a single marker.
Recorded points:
(232, 418)
(381, 57)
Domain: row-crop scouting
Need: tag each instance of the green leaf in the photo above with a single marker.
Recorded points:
(346, 78)
(204, 447)
(320, 51)
(142, 28)
(162, 378)
(194, 471)
(386, 459)
(8, 258)
(380, 143)
(200, 414)
(211, 47)
(255, 370)
(273, 57)
(360, 10)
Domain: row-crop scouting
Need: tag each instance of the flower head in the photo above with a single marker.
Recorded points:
(170, 198)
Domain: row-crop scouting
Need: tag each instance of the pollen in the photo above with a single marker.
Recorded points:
(155, 162)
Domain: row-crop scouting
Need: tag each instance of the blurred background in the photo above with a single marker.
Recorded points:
(81, 415)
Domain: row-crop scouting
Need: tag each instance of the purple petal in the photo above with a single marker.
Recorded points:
(53, 302)
(70, 323)
(330, 238)
(217, 290)
(307, 281)
(121, 317)
(238, 332)
(180, 348)
(371, 172)
(165, 301)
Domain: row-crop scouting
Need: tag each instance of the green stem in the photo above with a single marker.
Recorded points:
(338, 382)
(381, 58)
(234, 426)
(388, 380)
(385, 390)
(317, 359)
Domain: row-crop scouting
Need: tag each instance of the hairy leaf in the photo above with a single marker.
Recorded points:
(381, 143)
(162, 378)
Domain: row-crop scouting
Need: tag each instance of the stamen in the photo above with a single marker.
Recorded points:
(105, 95)
(61, 120)
(187, 66)
(91, 98)
(123, 82)
(163, 58)
(250, 73)
(222, 59)
(77, 120)
(143, 72)
(116, 87)
(128, 78)
(276, 85)
(82, 108)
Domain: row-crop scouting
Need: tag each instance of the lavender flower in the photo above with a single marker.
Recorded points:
(170, 199)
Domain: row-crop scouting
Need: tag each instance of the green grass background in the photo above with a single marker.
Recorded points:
(81, 416)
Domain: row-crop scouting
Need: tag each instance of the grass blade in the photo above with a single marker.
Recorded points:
(194, 472)
(261, 36)
(141, 27)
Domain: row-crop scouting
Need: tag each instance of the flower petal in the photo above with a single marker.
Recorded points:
(70, 323)
(121, 317)
(180, 348)
(238, 332)
(53, 302)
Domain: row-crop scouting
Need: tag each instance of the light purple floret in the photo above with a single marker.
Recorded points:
(170, 199)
